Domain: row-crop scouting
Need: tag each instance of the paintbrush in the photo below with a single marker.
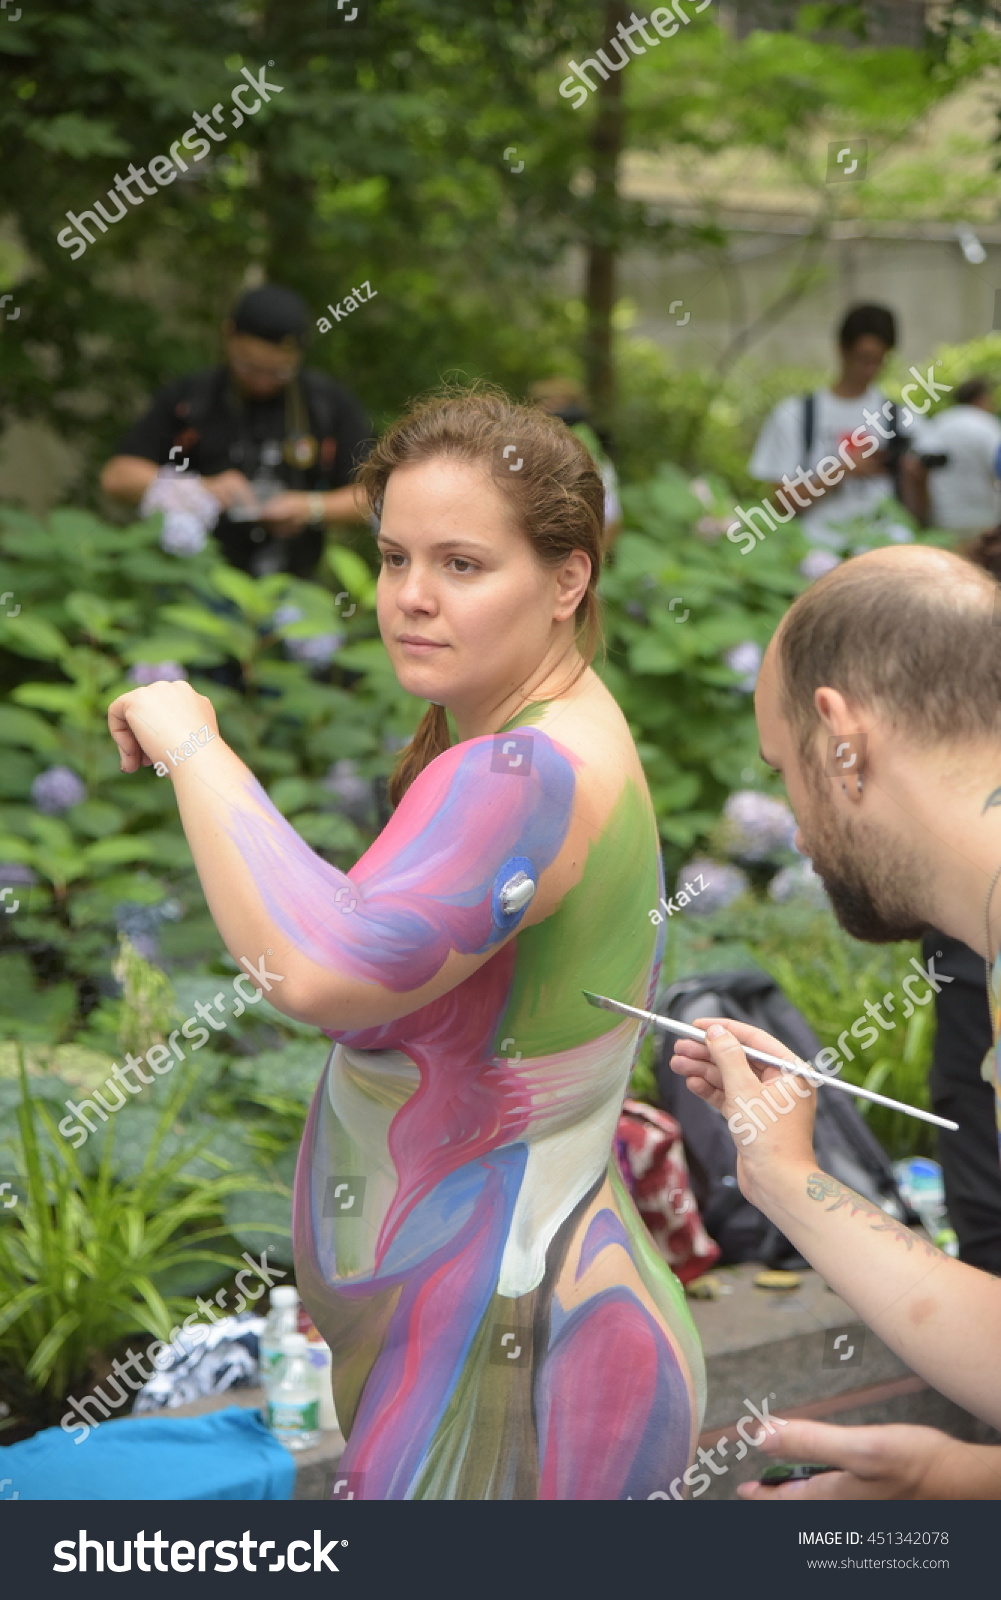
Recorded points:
(800, 1068)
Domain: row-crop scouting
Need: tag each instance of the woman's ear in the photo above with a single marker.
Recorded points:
(572, 579)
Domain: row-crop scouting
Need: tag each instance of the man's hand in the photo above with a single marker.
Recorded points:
(873, 466)
(770, 1112)
(231, 489)
(147, 723)
(881, 1463)
(287, 514)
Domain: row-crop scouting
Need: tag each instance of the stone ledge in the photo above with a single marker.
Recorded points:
(779, 1345)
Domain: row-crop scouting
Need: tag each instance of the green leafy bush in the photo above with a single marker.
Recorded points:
(678, 597)
(99, 1248)
(94, 604)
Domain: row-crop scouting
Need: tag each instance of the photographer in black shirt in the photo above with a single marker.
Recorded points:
(275, 444)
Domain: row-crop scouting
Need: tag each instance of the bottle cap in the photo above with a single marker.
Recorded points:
(285, 1295)
(294, 1344)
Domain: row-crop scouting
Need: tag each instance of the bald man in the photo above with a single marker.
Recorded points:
(879, 702)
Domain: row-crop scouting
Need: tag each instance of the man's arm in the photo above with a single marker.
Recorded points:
(146, 447)
(891, 1462)
(290, 512)
(128, 477)
(942, 1318)
(345, 505)
(914, 487)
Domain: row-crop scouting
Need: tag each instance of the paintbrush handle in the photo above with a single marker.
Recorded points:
(688, 1031)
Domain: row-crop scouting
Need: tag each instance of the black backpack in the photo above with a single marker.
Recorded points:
(845, 1146)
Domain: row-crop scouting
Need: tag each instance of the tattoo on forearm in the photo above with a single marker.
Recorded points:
(821, 1187)
(993, 799)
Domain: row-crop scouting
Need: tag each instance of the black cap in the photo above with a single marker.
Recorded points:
(271, 313)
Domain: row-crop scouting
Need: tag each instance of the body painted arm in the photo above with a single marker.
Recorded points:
(421, 910)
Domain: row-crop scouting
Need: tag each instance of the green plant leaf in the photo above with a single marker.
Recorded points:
(64, 699)
(18, 726)
(256, 602)
(44, 1358)
(32, 636)
(115, 852)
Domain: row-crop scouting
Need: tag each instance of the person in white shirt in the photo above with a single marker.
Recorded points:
(952, 467)
(839, 446)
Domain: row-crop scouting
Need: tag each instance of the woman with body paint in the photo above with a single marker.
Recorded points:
(500, 1324)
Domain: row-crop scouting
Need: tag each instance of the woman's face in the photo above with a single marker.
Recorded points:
(466, 611)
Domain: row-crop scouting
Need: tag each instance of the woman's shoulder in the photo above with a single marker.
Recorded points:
(591, 728)
(559, 749)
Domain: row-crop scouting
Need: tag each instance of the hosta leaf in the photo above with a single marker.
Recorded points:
(22, 727)
(113, 852)
(32, 636)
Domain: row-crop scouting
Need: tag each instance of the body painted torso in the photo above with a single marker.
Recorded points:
(501, 1326)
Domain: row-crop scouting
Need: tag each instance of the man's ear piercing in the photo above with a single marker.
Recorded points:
(858, 783)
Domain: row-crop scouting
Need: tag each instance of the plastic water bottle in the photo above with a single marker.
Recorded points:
(282, 1319)
(294, 1396)
(920, 1182)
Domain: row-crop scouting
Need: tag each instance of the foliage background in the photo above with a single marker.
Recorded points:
(383, 157)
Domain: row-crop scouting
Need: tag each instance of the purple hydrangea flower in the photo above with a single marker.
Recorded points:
(723, 885)
(146, 672)
(745, 659)
(183, 533)
(141, 923)
(818, 562)
(146, 945)
(318, 651)
(799, 882)
(711, 528)
(286, 615)
(15, 872)
(352, 792)
(701, 490)
(756, 826)
(56, 789)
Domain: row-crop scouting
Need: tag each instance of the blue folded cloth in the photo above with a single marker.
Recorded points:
(224, 1455)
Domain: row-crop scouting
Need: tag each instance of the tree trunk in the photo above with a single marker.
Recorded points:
(602, 246)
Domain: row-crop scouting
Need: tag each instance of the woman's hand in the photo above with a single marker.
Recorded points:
(881, 1463)
(156, 723)
(769, 1113)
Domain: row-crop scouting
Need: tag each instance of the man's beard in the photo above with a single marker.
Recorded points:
(869, 879)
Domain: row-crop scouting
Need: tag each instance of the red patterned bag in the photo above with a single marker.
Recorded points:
(652, 1159)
